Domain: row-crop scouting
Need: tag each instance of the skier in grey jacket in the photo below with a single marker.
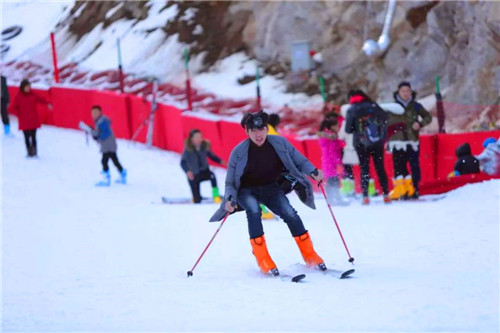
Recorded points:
(261, 170)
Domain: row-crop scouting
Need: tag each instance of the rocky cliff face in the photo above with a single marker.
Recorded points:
(458, 41)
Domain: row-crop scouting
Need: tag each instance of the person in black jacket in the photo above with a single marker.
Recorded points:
(194, 163)
(5, 103)
(466, 163)
(368, 124)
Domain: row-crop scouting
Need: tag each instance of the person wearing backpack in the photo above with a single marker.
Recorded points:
(403, 142)
(367, 122)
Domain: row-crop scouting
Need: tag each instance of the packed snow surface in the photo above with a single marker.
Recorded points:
(81, 258)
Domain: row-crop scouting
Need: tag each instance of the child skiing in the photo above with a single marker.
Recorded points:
(195, 165)
(25, 106)
(104, 135)
(331, 160)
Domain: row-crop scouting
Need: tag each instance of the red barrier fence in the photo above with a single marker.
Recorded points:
(231, 134)
(129, 112)
(167, 133)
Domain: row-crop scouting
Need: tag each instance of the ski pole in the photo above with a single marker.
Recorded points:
(320, 185)
(190, 273)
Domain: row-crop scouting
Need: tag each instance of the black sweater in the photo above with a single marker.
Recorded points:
(263, 167)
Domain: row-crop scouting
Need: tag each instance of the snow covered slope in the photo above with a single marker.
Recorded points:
(81, 258)
(146, 50)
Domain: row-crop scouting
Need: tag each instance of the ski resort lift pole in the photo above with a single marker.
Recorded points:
(54, 57)
(188, 80)
(322, 88)
(372, 48)
(439, 107)
(120, 67)
(154, 106)
(257, 81)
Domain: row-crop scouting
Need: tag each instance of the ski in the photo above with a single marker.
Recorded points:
(289, 278)
(338, 274)
(341, 274)
(426, 198)
(184, 201)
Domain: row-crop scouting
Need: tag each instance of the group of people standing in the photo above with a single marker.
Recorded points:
(362, 132)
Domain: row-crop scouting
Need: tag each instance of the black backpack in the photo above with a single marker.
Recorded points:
(370, 129)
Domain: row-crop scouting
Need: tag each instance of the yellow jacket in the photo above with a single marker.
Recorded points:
(272, 130)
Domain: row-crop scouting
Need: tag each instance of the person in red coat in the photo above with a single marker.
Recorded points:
(25, 107)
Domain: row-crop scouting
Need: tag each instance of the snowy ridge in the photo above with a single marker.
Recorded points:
(81, 258)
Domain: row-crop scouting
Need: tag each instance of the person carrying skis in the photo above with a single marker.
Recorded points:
(24, 106)
(403, 141)
(104, 135)
(368, 123)
(262, 169)
(195, 164)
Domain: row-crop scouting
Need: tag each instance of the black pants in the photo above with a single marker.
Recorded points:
(348, 171)
(377, 154)
(198, 178)
(401, 158)
(114, 158)
(5, 116)
(30, 140)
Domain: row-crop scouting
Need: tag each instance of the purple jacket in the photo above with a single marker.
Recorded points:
(331, 156)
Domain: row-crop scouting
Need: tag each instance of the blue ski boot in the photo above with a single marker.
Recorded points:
(123, 178)
(6, 130)
(105, 179)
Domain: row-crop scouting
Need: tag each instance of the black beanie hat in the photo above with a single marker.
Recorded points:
(257, 120)
(404, 84)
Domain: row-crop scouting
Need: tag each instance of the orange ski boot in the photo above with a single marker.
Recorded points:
(306, 248)
(259, 250)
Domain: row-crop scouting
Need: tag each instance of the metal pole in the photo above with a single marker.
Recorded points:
(54, 57)
(188, 80)
(322, 88)
(154, 106)
(257, 80)
(120, 68)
